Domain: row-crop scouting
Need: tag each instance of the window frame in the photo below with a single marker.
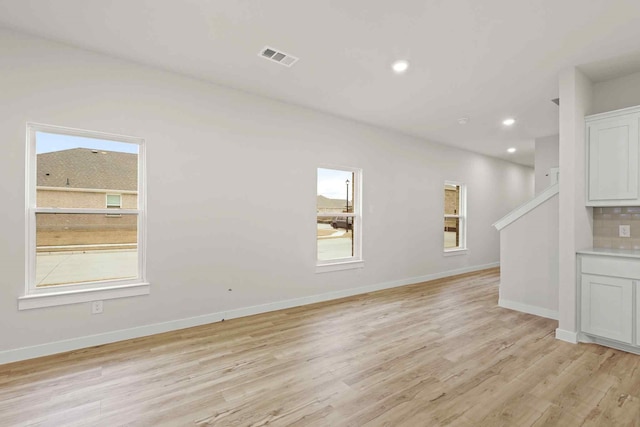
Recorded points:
(461, 216)
(355, 261)
(34, 297)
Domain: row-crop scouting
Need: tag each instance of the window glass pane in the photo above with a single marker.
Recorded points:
(113, 200)
(451, 233)
(78, 248)
(335, 237)
(335, 191)
(451, 199)
(71, 171)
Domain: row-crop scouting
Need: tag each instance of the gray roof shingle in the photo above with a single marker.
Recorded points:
(88, 168)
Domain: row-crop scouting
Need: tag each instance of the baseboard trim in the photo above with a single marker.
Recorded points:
(56, 347)
(530, 309)
(568, 336)
(582, 337)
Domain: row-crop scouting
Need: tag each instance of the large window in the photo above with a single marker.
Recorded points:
(454, 217)
(339, 219)
(75, 242)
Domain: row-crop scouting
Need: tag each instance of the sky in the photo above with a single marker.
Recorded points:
(48, 142)
(331, 183)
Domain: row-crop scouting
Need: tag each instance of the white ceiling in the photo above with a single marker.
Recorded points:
(483, 59)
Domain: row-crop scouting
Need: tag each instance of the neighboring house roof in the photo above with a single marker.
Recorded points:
(88, 168)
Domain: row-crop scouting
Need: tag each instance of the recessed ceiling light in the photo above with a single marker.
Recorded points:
(511, 150)
(508, 122)
(400, 66)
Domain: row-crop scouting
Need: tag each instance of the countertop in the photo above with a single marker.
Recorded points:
(624, 253)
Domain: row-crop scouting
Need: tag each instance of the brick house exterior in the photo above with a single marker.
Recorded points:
(451, 202)
(83, 178)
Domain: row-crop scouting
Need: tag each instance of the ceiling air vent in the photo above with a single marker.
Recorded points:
(278, 56)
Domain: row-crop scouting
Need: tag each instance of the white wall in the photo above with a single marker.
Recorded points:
(529, 261)
(547, 156)
(575, 219)
(617, 93)
(224, 169)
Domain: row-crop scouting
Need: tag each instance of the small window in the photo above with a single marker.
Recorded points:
(454, 216)
(75, 242)
(338, 214)
(114, 201)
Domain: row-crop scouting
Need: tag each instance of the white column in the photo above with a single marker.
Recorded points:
(576, 231)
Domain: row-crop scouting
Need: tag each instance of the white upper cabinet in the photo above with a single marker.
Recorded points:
(613, 162)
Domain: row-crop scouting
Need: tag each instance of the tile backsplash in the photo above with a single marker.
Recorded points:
(606, 222)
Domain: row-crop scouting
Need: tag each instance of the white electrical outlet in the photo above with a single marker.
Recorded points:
(96, 307)
(625, 231)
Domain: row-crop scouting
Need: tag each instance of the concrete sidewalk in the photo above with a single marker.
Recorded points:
(76, 267)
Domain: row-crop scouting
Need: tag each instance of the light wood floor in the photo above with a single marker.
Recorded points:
(430, 354)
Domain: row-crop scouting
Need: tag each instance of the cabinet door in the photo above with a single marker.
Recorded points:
(607, 304)
(613, 159)
(637, 313)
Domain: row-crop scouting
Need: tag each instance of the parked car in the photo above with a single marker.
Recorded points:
(342, 222)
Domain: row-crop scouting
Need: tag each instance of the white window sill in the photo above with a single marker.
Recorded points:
(52, 299)
(455, 252)
(338, 266)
